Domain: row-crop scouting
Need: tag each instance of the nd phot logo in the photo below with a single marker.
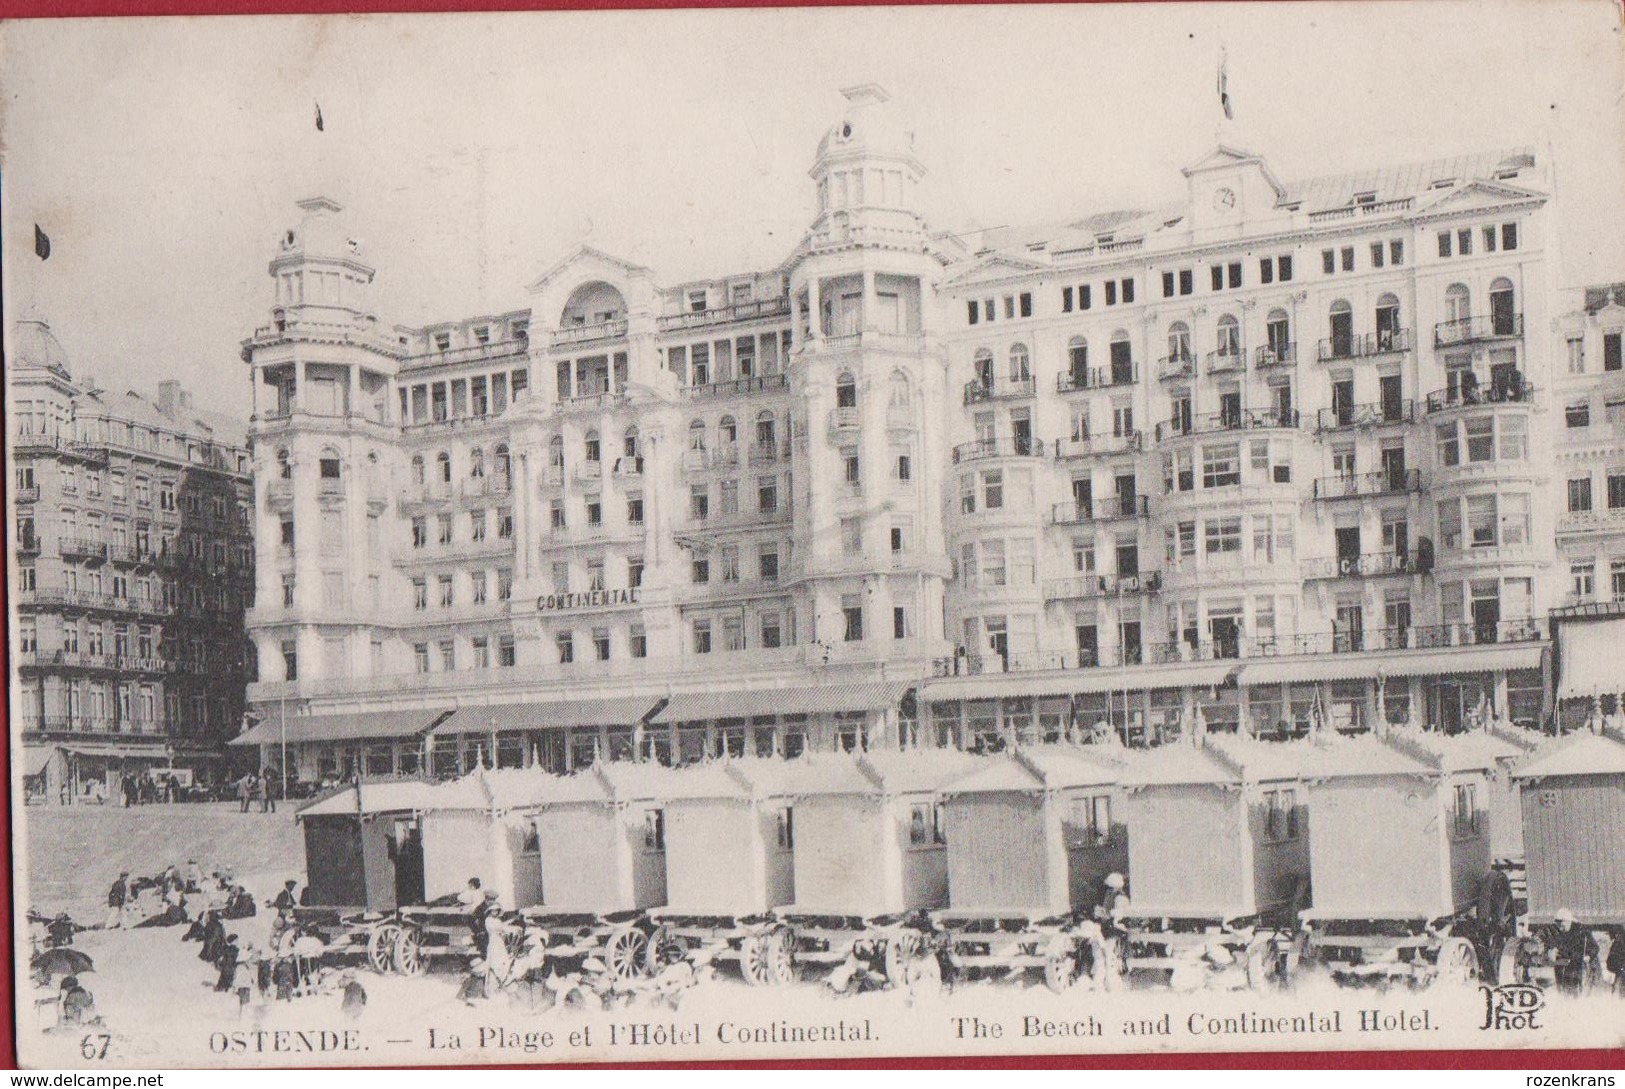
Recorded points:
(1512, 1006)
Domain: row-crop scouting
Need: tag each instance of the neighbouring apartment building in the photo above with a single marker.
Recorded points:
(132, 572)
(1277, 456)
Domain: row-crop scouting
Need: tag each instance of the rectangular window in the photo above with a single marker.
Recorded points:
(1066, 300)
(1396, 252)
(1025, 301)
(1376, 255)
(1128, 290)
(1509, 236)
(1084, 297)
(1221, 466)
(699, 502)
(1223, 535)
(1611, 358)
(1266, 270)
(566, 642)
(1579, 494)
(1111, 292)
(1348, 258)
(1168, 285)
(1216, 277)
(1234, 272)
(1464, 242)
(505, 651)
(1444, 243)
(852, 612)
(1187, 281)
(1578, 414)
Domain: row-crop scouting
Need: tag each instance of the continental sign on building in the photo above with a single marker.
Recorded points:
(593, 599)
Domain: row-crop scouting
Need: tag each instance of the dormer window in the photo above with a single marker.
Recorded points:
(739, 293)
(1442, 183)
(482, 334)
(1365, 198)
(696, 301)
(442, 342)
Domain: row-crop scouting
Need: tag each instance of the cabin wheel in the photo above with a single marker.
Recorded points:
(1060, 963)
(381, 947)
(1513, 965)
(780, 948)
(753, 959)
(1456, 962)
(902, 949)
(663, 949)
(408, 956)
(627, 954)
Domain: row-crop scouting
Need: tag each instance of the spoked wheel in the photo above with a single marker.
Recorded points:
(1060, 964)
(662, 950)
(780, 949)
(1513, 964)
(902, 949)
(408, 956)
(381, 947)
(753, 959)
(627, 953)
(1456, 963)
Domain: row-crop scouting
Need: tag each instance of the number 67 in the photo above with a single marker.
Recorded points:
(91, 1049)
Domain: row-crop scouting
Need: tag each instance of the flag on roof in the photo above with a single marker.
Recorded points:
(42, 243)
(319, 127)
(1224, 84)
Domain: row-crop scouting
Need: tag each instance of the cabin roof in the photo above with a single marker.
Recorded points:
(394, 796)
(832, 773)
(1351, 757)
(1471, 751)
(1264, 760)
(1181, 765)
(919, 770)
(1041, 767)
(1582, 754)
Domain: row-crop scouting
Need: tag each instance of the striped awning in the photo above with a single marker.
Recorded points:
(359, 726)
(810, 700)
(1397, 663)
(555, 714)
(1074, 682)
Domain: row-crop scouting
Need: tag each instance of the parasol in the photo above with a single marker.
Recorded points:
(61, 962)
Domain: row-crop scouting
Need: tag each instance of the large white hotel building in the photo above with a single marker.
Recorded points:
(1278, 455)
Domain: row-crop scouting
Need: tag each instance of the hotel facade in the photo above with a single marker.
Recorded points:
(1276, 456)
(132, 568)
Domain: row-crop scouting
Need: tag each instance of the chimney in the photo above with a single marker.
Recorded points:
(170, 397)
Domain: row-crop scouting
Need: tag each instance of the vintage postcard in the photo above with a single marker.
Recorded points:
(817, 534)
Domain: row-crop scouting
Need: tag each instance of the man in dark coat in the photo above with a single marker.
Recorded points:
(117, 897)
(227, 963)
(1571, 950)
(214, 937)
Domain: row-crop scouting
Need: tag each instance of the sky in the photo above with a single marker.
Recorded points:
(472, 152)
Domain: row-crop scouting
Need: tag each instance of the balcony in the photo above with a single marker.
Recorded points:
(587, 334)
(1176, 366)
(1000, 389)
(28, 495)
(426, 494)
(279, 491)
(588, 471)
(1282, 355)
(1091, 586)
(900, 418)
(747, 311)
(1376, 414)
(1097, 445)
(1218, 422)
(1373, 208)
(1364, 566)
(736, 387)
(1008, 447)
(1368, 485)
(1592, 521)
(1382, 342)
(1224, 361)
(1110, 509)
(764, 453)
(843, 422)
(130, 555)
(470, 353)
(628, 468)
(83, 548)
(596, 397)
(1119, 374)
(976, 664)
(1472, 330)
(28, 545)
(476, 487)
(1503, 391)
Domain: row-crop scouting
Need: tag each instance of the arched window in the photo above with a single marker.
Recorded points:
(1388, 334)
(846, 391)
(1077, 359)
(284, 467)
(767, 430)
(898, 394)
(476, 462)
(629, 443)
(1278, 334)
(1229, 333)
(417, 469)
(592, 446)
(696, 435)
(1503, 308)
(1122, 357)
(500, 463)
(983, 365)
(442, 464)
(1341, 319)
(329, 465)
(1020, 363)
(727, 431)
(1457, 303)
(1179, 341)
(555, 452)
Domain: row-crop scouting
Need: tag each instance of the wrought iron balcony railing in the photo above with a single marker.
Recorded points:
(1366, 485)
(1106, 509)
(1471, 330)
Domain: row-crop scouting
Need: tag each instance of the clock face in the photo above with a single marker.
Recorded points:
(1224, 198)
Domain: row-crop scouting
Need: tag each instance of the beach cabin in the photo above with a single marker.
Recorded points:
(870, 834)
(1400, 858)
(364, 845)
(600, 840)
(1219, 832)
(729, 834)
(476, 827)
(1573, 803)
(1035, 831)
